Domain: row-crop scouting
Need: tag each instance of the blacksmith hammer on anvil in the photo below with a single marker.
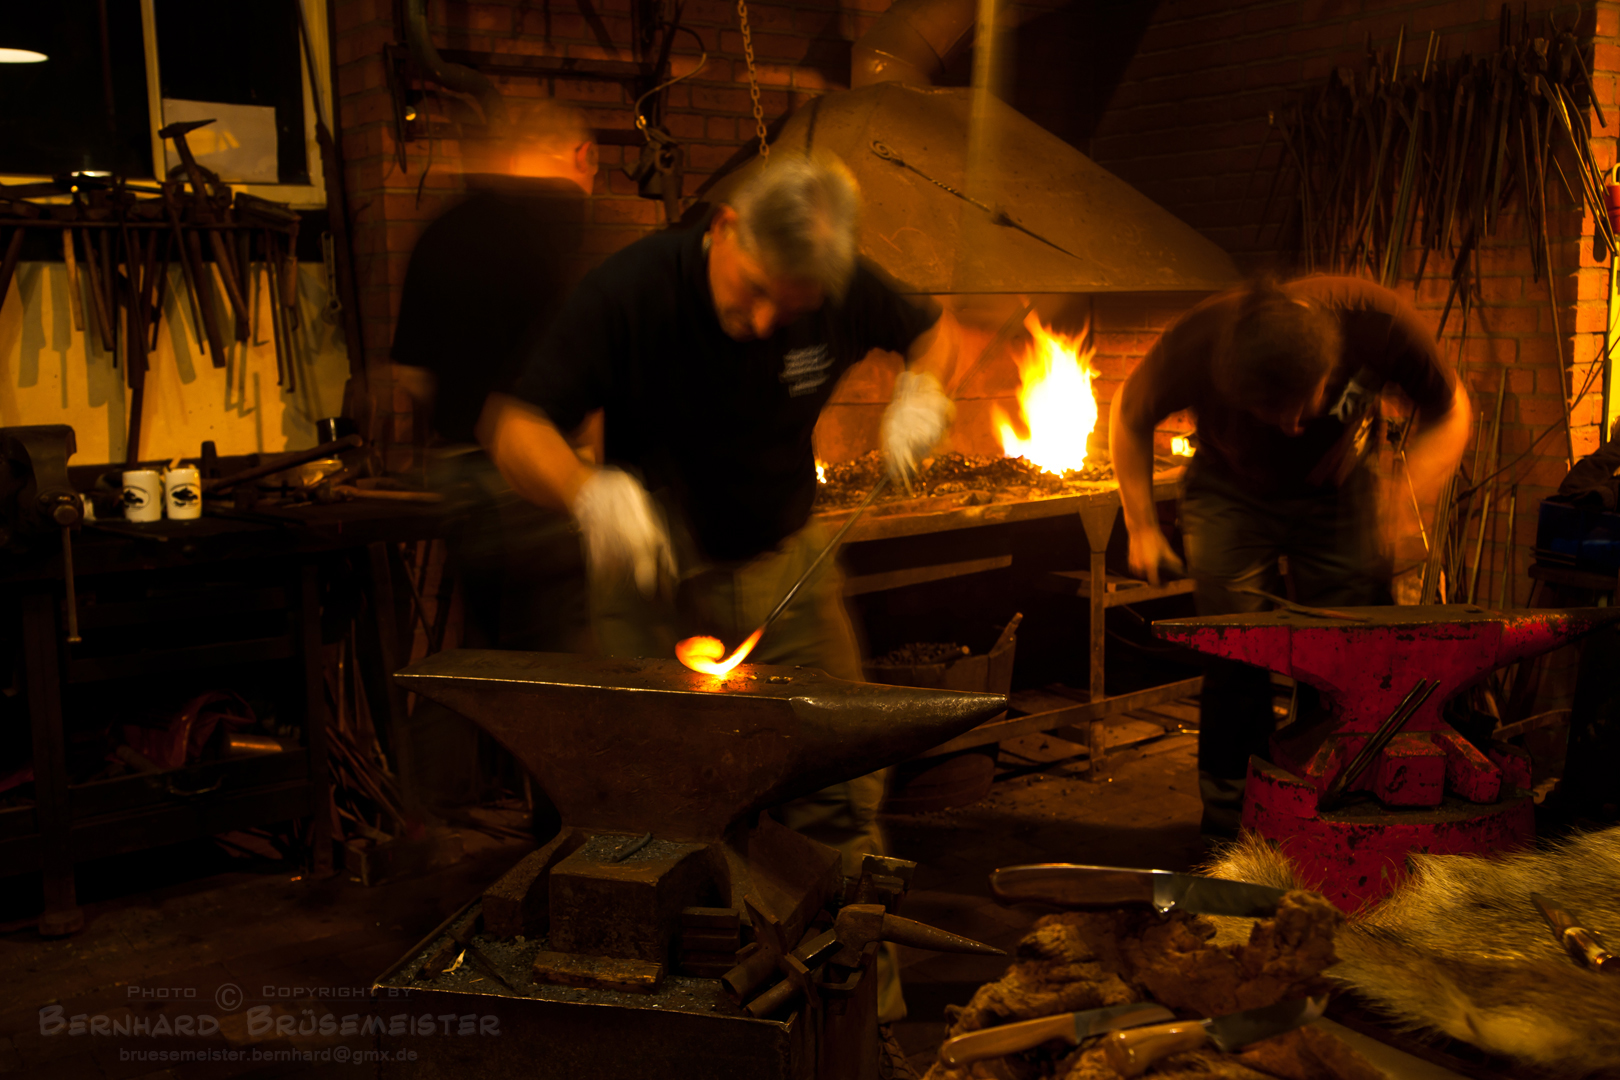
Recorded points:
(1384, 673)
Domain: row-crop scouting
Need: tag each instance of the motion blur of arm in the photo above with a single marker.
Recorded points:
(1131, 446)
(921, 411)
(531, 453)
(1437, 444)
(622, 527)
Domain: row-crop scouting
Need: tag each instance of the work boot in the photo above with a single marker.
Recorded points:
(892, 1063)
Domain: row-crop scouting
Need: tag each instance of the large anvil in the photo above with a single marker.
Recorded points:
(649, 746)
(1364, 661)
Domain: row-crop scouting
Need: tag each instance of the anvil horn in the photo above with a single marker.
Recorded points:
(650, 746)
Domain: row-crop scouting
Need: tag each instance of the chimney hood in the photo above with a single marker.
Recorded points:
(1047, 219)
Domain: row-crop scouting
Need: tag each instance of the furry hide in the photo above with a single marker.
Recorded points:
(1460, 949)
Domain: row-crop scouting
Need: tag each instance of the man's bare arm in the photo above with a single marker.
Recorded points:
(531, 453)
(1132, 451)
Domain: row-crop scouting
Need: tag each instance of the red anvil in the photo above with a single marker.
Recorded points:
(1363, 666)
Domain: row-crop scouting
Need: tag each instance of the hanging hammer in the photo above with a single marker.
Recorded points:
(222, 254)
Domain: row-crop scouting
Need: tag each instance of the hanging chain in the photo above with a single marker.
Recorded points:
(753, 79)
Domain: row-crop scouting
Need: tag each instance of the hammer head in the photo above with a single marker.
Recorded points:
(174, 131)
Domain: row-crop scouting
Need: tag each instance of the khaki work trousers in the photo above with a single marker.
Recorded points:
(730, 602)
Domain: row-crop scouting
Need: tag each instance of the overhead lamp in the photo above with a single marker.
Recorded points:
(21, 56)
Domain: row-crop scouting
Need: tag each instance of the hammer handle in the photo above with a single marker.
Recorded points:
(1133, 1051)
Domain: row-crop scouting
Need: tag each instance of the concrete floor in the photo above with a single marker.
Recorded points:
(253, 946)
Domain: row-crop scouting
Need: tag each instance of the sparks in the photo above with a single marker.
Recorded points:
(704, 653)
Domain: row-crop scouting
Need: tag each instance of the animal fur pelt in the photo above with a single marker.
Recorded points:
(1459, 949)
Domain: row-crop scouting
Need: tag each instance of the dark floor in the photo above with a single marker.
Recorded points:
(252, 948)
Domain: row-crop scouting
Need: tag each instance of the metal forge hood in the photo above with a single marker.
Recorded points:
(1095, 232)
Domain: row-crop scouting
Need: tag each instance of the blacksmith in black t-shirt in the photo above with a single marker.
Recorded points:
(711, 352)
(1285, 382)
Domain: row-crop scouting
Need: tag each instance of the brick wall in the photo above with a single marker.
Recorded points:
(1186, 125)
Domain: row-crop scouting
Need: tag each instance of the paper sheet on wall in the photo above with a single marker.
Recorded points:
(240, 145)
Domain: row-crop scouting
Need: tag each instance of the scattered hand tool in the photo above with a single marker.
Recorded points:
(1582, 944)
(1074, 1028)
(1298, 609)
(855, 927)
(1369, 751)
(282, 462)
(1069, 885)
(1134, 1051)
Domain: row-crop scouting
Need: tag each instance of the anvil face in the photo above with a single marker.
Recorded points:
(649, 746)
(1366, 668)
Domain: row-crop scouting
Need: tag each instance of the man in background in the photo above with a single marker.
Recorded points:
(484, 281)
(1285, 381)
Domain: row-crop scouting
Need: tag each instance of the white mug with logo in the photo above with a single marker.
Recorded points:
(143, 495)
(182, 493)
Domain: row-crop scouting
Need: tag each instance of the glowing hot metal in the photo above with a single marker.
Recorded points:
(704, 653)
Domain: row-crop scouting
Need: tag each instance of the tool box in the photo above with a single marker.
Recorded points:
(1571, 535)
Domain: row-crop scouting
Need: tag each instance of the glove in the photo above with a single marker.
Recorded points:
(914, 423)
(623, 530)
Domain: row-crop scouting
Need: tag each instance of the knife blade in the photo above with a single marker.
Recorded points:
(1070, 885)
(1074, 1028)
(1583, 944)
(1132, 1052)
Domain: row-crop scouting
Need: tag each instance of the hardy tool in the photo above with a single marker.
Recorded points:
(1134, 1051)
(1370, 749)
(1069, 885)
(1582, 944)
(1073, 1028)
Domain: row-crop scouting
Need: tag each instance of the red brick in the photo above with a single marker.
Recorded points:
(622, 211)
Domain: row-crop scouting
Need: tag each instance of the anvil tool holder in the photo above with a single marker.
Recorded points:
(668, 873)
(1434, 791)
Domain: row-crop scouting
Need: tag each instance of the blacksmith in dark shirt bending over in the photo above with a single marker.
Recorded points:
(712, 352)
(1285, 382)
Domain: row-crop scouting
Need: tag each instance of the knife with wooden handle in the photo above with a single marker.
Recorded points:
(1581, 943)
(1073, 1028)
(1132, 1052)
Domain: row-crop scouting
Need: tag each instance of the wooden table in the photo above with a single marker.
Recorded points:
(953, 540)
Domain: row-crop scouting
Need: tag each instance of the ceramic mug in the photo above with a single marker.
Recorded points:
(182, 493)
(143, 495)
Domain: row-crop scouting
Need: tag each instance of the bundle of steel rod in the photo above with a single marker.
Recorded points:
(1409, 159)
(118, 242)
(1427, 158)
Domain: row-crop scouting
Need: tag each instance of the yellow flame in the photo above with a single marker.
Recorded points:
(1057, 401)
(821, 472)
(1181, 446)
(704, 653)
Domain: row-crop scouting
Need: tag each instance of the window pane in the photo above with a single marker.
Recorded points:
(59, 116)
(241, 53)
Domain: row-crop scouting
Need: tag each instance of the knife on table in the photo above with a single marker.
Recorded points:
(1132, 1052)
(1583, 944)
(1074, 1028)
(1069, 885)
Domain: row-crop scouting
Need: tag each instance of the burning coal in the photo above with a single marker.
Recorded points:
(1056, 399)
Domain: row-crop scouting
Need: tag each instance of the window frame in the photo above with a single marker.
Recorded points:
(310, 196)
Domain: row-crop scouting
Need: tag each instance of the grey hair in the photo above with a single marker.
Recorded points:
(799, 216)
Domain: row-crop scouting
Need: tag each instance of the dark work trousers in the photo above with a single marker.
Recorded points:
(522, 582)
(1234, 538)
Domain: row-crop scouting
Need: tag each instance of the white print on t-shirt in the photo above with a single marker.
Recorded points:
(805, 369)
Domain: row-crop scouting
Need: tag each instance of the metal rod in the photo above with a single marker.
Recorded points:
(67, 579)
(832, 545)
(1410, 704)
(1507, 598)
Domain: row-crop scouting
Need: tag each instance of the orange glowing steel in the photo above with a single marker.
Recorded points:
(704, 653)
(1057, 401)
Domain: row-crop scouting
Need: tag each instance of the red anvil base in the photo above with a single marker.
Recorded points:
(1356, 855)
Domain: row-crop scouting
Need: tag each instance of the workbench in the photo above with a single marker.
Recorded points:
(185, 603)
(916, 541)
